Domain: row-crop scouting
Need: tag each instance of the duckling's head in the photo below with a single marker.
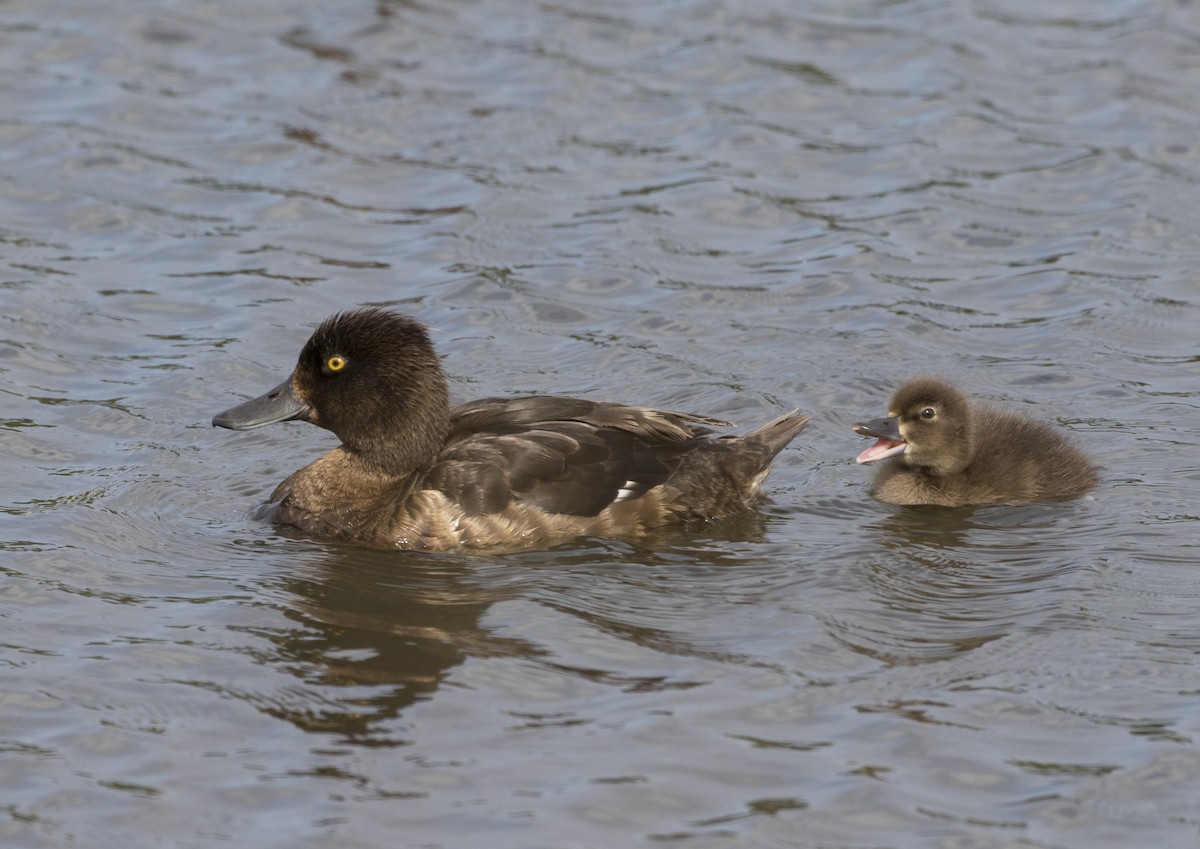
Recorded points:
(928, 426)
(370, 376)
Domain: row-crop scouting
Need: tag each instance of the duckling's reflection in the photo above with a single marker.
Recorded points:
(947, 581)
(919, 528)
(924, 526)
(377, 631)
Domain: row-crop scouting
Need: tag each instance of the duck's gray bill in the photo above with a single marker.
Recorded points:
(278, 405)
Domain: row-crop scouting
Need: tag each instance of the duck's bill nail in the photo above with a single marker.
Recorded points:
(881, 450)
(278, 405)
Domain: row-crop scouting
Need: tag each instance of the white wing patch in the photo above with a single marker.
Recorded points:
(630, 489)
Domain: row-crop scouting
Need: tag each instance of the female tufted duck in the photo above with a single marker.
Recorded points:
(414, 473)
(943, 450)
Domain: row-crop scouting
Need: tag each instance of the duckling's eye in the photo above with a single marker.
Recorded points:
(335, 363)
(928, 413)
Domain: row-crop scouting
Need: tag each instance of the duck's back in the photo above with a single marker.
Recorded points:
(580, 458)
(558, 466)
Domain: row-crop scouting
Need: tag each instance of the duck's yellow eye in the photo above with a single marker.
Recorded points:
(335, 363)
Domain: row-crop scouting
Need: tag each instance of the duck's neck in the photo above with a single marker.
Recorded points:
(403, 442)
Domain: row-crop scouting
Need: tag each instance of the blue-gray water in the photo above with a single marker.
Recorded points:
(727, 206)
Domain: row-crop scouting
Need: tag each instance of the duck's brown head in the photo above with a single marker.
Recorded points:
(370, 376)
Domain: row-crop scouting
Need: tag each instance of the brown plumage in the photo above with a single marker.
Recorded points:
(412, 472)
(941, 449)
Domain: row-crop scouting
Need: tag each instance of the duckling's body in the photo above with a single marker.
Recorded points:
(414, 473)
(941, 449)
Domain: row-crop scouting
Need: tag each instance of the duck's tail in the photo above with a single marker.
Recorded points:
(722, 476)
(777, 433)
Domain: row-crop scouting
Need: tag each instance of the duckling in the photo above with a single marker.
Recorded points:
(414, 473)
(941, 449)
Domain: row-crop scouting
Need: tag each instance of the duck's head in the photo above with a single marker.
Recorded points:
(928, 425)
(370, 376)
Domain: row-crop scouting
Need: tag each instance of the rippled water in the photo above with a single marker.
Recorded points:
(727, 207)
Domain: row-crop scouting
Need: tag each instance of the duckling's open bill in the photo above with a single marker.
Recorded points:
(890, 443)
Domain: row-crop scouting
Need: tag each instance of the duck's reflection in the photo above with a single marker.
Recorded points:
(375, 631)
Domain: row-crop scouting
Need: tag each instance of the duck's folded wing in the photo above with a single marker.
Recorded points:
(654, 425)
(558, 466)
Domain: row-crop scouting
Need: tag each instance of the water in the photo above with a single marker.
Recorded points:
(731, 208)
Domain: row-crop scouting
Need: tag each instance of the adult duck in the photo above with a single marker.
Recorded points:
(414, 472)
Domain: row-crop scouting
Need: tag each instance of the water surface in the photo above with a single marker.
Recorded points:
(730, 208)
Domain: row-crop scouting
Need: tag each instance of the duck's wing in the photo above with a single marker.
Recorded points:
(654, 425)
(562, 455)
